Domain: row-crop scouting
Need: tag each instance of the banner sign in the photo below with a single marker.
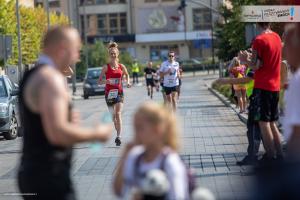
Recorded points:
(271, 13)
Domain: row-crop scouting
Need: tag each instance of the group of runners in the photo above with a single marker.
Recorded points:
(168, 75)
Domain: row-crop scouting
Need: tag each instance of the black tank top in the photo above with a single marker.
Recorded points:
(38, 152)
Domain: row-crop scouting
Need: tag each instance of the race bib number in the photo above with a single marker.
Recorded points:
(113, 94)
(171, 81)
(149, 76)
(114, 81)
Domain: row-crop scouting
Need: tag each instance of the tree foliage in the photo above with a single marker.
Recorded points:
(33, 23)
(98, 56)
(231, 34)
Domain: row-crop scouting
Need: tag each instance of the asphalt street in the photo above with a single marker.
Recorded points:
(213, 139)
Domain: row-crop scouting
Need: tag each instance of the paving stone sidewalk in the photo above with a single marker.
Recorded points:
(213, 138)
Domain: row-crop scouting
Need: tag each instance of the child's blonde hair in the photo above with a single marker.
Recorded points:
(156, 115)
(236, 62)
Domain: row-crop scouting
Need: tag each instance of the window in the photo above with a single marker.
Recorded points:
(123, 23)
(93, 2)
(102, 24)
(54, 4)
(201, 19)
(116, 1)
(161, 52)
(150, 1)
(3, 89)
(114, 23)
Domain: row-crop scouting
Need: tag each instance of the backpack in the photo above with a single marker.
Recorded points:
(189, 172)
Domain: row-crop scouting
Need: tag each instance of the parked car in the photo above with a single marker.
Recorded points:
(90, 83)
(9, 112)
(191, 64)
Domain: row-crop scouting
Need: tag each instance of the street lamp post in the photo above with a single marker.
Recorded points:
(19, 41)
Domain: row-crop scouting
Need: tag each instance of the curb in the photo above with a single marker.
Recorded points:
(243, 117)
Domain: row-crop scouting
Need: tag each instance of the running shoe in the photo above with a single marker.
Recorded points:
(266, 160)
(118, 141)
(247, 160)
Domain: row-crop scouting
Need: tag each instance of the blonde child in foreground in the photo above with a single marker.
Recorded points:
(155, 139)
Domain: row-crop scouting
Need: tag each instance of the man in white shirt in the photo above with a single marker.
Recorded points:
(292, 95)
(169, 71)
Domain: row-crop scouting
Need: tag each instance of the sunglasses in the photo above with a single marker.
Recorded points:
(171, 56)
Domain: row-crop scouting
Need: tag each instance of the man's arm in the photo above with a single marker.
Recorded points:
(283, 75)
(233, 81)
(52, 105)
(250, 59)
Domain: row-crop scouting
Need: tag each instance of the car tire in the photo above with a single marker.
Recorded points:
(13, 129)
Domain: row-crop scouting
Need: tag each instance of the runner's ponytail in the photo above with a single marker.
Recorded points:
(113, 46)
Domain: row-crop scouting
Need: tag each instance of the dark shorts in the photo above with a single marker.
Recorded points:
(43, 185)
(150, 82)
(119, 99)
(267, 105)
(169, 90)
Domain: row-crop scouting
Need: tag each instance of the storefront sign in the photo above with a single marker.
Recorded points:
(159, 19)
(179, 36)
(116, 38)
(271, 14)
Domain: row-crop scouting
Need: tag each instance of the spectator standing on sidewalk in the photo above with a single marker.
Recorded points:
(253, 130)
(50, 125)
(135, 72)
(238, 71)
(155, 147)
(265, 60)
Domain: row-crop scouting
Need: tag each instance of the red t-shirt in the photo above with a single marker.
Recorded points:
(268, 47)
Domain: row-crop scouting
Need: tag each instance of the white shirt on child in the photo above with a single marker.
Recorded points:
(174, 169)
(292, 101)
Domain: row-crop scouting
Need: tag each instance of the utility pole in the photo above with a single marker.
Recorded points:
(46, 7)
(85, 35)
(73, 66)
(19, 41)
(212, 37)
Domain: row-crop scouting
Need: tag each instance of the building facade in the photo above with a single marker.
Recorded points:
(160, 26)
(147, 29)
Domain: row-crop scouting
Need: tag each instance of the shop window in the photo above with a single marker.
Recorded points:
(161, 52)
(201, 19)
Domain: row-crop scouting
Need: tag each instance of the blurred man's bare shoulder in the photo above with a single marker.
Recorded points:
(46, 79)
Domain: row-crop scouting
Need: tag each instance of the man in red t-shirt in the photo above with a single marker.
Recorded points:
(265, 60)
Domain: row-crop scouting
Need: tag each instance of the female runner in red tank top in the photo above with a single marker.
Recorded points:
(114, 73)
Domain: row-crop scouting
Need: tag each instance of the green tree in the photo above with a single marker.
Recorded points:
(7, 18)
(33, 23)
(98, 56)
(231, 34)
